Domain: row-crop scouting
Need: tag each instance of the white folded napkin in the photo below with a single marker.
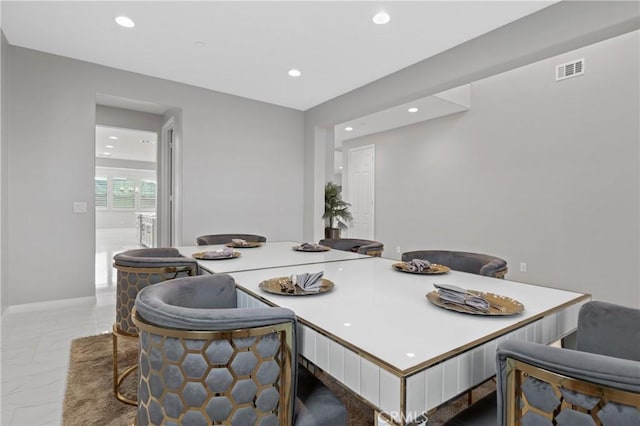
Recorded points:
(453, 294)
(217, 254)
(311, 283)
(418, 265)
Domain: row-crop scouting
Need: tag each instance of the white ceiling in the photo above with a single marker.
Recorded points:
(129, 144)
(249, 46)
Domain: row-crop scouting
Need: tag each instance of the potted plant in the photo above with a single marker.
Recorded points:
(336, 211)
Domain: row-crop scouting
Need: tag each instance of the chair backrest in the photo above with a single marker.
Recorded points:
(140, 268)
(240, 366)
(205, 240)
(474, 263)
(609, 329)
(368, 247)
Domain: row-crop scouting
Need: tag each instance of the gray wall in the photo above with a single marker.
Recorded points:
(556, 29)
(4, 286)
(241, 162)
(536, 171)
(228, 184)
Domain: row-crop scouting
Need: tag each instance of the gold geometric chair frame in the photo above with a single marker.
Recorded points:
(595, 396)
(204, 376)
(130, 281)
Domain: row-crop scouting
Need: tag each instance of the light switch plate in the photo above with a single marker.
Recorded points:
(79, 206)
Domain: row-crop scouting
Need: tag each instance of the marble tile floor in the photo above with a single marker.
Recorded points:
(35, 354)
(36, 338)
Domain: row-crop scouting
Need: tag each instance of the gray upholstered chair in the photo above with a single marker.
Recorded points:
(205, 240)
(137, 269)
(368, 247)
(474, 263)
(598, 383)
(204, 361)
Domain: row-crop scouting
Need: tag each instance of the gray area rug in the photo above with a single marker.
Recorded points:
(89, 396)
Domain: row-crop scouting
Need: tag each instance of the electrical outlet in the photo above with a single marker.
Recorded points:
(523, 266)
(398, 249)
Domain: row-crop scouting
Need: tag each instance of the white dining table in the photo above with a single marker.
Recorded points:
(268, 255)
(376, 332)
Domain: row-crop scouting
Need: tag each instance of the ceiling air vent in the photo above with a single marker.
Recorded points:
(570, 69)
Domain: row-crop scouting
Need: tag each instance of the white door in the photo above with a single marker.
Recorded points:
(360, 191)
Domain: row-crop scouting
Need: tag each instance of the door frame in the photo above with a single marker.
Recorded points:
(170, 176)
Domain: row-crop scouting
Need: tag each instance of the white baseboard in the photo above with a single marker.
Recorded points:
(61, 303)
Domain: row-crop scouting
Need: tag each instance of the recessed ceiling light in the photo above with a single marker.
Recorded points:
(295, 73)
(109, 146)
(347, 324)
(410, 354)
(340, 167)
(115, 138)
(106, 153)
(413, 109)
(125, 21)
(381, 18)
(348, 129)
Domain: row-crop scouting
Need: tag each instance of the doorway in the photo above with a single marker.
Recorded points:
(360, 191)
(125, 195)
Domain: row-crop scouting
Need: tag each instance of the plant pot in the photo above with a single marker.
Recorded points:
(332, 233)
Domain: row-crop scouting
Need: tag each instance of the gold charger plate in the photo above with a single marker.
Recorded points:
(321, 248)
(499, 305)
(201, 256)
(247, 245)
(433, 269)
(281, 284)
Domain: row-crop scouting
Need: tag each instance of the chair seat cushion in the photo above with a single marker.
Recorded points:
(482, 413)
(316, 405)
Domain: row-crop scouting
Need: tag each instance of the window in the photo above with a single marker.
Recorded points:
(147, 194)
(124, 195)
(101, 193)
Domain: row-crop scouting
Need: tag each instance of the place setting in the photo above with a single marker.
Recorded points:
(455, 298)
(420, 266)
(305, 284)
(220, 254)
(311, 247)
(240, 243)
